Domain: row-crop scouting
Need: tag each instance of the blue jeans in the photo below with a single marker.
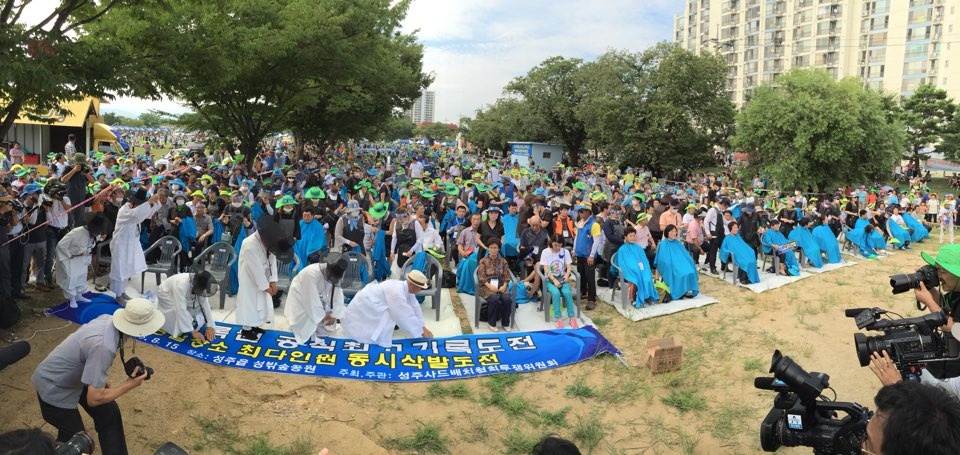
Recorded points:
(567, 298)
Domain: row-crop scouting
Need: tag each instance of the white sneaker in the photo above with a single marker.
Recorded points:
(493, 328)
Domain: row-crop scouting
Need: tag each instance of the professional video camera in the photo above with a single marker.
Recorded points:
(78, 444)
(907, 281)
(911, 342)
(798, 418)
(55, 190)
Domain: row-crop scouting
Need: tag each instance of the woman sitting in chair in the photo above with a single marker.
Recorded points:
(493, 276)
(631, 259)
(676, 266)
(555, 263)
(743, 256)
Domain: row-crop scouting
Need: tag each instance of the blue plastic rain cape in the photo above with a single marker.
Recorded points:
(920, 231)
(828, 243)
(875, 240)
(419, 262)
(898, 232)
(363, 270)
(235, 267)
(256, 211)
(519, 292)
(217, 230)
(381, 266)
(472, 206)
(312, 238)
(465, 271)
(144, 238)
(775, 237)
(188, 232)
(447, 219)
(632, 261)
(808, 244)
(510, 240)
(743, 256)
(677, 268)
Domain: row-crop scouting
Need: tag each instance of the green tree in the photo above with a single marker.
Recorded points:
(248, 67)
(436, 132)
(929, 118)
(508, 119)
(810, 131)
(111, 118)
(552, 92)
(398, 127)
(664, 108)
(56, 59)
(152, 119)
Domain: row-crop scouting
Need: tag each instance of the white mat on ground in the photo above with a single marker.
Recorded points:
(528, 318)
(767, 282)
(829, 267)
(659, 309)
(447, 326)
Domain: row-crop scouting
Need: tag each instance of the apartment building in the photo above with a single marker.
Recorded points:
(423, 108)
(893, 45)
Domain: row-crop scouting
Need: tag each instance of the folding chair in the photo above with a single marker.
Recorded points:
(433, 265)
(352, 281)
(167, 264)
(217, 259)
(545, 299)
(477, 301)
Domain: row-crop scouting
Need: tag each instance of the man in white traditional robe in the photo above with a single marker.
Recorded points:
(126, 254)
(378, 307)
(184, 301)
(257, 276)
(315, 300)
(73, 257)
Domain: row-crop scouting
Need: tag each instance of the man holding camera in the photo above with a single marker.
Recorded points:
(76, 179)
(76, 372)
(942, 374)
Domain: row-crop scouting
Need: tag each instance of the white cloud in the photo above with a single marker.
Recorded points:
(475, 48)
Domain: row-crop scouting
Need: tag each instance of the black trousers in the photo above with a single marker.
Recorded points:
(499, 308)
(106, 419)
(712, 252)
(16, 267)
(588, 288)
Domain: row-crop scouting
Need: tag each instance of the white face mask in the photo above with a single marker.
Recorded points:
(287, 208)
(315, 201)
(181, 202)
(244, 189)
(118, 200)
(236, 204)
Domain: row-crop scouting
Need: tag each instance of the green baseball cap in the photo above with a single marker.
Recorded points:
(948, 257)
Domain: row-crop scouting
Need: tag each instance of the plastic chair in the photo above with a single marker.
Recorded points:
(437, 282)
(352, 281)
(772, 254)
(545, 299)
(477, 301)
(100, 259)
(287, 265)
(167, 264)
(622, 284)
(217, 259)
(735, 273)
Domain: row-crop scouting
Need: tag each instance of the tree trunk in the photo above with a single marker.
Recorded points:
(248, 147)
(12, 111)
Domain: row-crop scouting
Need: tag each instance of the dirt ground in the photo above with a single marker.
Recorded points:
(709, 407)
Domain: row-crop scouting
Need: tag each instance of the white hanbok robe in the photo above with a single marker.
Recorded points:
(180, 307)
(308, 299)
(126, 254)
(257, 268)
(73, 257)
(374, 311)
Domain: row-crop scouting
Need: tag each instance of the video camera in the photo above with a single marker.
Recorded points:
(906, 281)
(79, 443)
(798, 418)
(911, 342)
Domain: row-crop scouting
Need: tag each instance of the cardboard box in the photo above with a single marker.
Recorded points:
(664, 355)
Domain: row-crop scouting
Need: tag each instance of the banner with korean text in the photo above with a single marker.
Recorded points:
(407, 360)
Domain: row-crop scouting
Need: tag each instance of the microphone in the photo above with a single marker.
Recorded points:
(13, 353)
(767, 383)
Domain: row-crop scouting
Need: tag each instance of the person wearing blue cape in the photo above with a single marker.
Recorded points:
(919, 232)
(773, 239)
(827, 241)
(874, 238)
(860, 236)
(897, 228)
(632, 261)
(807, 243)
(735, 249)
(467, 246)
(674, 263)
(510, 239)
(313, 238)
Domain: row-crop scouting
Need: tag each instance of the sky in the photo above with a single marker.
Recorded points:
(475, 47)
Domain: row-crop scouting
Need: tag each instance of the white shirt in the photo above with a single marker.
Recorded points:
(374, 311)
(308, 300)
(416, 170)
(180, 307)
(58, 214)
(555, 263)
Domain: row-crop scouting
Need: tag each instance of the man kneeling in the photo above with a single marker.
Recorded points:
(315, 300)
(184, 301)
(378, 307)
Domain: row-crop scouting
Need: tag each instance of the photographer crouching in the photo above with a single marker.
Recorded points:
(76, 372)
(946, 265)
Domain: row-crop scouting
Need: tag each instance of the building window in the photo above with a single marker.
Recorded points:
(546, 155)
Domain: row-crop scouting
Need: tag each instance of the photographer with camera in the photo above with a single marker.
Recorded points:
(76, 372)
(913, 418)
(76, 180)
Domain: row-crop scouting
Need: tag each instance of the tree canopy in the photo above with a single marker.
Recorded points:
(327, 69)
(929, 116)
(809, 131)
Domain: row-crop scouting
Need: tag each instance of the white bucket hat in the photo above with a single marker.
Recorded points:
(138, 319)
